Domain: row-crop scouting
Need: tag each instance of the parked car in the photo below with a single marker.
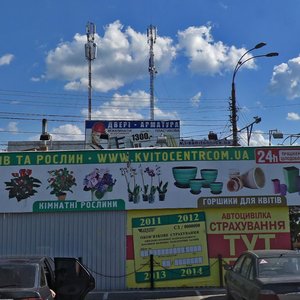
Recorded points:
(30, 278)
(264, 275)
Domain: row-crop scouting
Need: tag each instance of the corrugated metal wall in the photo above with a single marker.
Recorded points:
(98, 237)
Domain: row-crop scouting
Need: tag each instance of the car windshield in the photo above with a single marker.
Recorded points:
(279, 266)
(17, 275)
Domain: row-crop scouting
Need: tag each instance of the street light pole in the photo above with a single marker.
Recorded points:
(233, 94)
(233, 115)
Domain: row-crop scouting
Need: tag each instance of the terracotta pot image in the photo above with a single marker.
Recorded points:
(234, 184)
(62, 196)
(254, 178)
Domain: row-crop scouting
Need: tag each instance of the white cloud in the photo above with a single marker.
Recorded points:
(134, 105)
(67, 132)
(67, 60)
(163, 115)
(122, 58)
(207, 56)
(35, 79)
(129, 106)
(13, 127)
(123, 55)
(286, 78)
(257, 139)
(223, 5)
(195, 100)
(292, 116)
(6, 59)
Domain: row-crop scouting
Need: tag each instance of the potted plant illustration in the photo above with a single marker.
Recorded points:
(133, 188)
(162, 187)
(134, 194)
(145, 186)
(153, 188)
(145, 192)
(152, 194)
(22, 185)
(61, 181)
(99, 182)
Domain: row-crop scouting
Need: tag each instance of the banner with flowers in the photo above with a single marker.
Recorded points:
(149, 178)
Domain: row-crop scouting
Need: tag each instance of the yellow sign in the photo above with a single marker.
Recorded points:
(176, 242)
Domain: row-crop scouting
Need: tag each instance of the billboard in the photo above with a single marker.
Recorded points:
(186, 245)
(149, 178)
(177, 241)
(113, 134)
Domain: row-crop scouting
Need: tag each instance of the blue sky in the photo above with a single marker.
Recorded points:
(44, 73)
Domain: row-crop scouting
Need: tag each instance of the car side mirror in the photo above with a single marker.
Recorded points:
(227, 267)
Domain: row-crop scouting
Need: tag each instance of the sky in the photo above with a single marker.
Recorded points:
(44, 72)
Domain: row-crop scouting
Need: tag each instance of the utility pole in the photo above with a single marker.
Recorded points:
(233, 109)
(90, 54)
(151, 35)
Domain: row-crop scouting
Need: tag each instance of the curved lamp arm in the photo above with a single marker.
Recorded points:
(233, 117)
(239, 63)
(271, 54)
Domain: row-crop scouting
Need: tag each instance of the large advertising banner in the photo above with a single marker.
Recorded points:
(149, 178)
(112, 134)
(188, 246)
(239, 229)
(177, 241)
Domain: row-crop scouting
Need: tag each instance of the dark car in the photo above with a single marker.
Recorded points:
(30, 278)
(264, 275)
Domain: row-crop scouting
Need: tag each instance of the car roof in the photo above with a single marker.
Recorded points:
(21, 259)
(273, 253)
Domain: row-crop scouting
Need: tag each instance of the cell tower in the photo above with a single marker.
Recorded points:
(90, 54)
(151, 35)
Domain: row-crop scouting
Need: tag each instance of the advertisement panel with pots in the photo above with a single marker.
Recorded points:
(149, 178)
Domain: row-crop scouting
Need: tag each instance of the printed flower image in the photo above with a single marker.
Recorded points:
(149, 189)
(99, 182)
(133, 188)
(22, 185)
(162, 188)
(61, 181)
(152, 190)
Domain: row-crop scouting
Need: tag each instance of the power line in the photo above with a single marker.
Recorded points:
(72, 96)
(81, 96)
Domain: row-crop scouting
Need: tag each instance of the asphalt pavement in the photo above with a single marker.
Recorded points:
(157, 294)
